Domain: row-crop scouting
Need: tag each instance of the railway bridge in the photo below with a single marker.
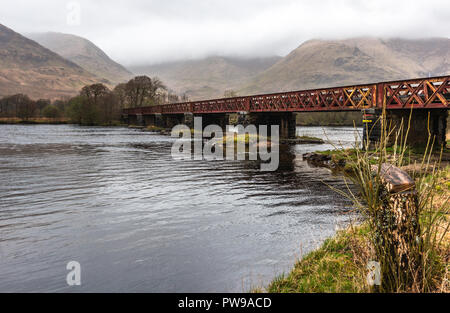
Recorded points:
(425, 99)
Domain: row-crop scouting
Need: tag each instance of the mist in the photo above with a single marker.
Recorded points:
(149, 32)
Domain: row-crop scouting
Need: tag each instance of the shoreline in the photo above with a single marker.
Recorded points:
(339, 264)
(37, 121)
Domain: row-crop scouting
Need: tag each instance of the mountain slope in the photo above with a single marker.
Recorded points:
(84, 53)
(206, 78)
(322, 63)
(27, 67)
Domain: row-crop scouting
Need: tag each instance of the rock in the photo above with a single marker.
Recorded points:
(396, 180)
(316, 157)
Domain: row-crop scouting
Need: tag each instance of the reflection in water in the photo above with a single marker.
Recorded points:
(136, 220)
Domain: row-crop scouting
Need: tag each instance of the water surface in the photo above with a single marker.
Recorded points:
(136, 220)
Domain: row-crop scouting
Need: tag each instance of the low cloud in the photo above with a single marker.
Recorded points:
(145, 32)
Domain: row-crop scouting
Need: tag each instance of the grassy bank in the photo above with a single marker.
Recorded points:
(419, 220)
(339, 264)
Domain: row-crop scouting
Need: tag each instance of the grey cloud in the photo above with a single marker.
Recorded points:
(160, 30)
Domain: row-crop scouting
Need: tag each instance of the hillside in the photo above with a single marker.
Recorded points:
(206, 78)
(327, 63)
(27, 67)
(84, 53)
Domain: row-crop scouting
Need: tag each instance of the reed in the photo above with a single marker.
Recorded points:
(425, 269)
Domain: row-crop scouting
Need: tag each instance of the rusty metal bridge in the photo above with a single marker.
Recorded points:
(428, 97)
(421, 93)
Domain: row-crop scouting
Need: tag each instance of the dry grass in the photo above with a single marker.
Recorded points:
(34, 120)
(339, 265)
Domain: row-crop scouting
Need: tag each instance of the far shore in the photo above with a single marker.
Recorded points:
(56, 121)
(37, 120)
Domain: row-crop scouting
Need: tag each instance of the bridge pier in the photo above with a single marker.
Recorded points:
(188, 120)
(149, 120)
(424, 123)
(125, 119)
(220, 119)
(285, 120)
(139, 120)
(154, 120)
(171, 120)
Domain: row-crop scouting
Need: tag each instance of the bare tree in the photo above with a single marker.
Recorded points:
(142, 89)
(22, 106)
(94, 92)
(156, 85)
(98, 104)
(120, 91)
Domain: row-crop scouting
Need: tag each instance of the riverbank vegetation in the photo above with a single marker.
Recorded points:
(95, 104)
(340, 263)
(421, 262)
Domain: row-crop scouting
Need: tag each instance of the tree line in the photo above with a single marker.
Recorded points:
(95, 104)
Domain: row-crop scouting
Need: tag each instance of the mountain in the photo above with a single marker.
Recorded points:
(84, 53)
(206, 78)
(328, 63)
(27, 67)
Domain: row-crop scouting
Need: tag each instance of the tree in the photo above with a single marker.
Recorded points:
(51, 111)
(94, 92)
(41, 104)
(142, 90)
(61, 104)
(120, 92)
(24, 106)
(94, 104)
(155, 86)
(74, 109)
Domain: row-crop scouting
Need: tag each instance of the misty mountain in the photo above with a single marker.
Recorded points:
(209, 77)
(328, 63)
(27, 67)
(84, 53)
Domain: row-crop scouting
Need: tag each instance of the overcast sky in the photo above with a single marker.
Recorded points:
(152, 31)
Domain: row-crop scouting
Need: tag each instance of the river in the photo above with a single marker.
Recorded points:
(136, 220)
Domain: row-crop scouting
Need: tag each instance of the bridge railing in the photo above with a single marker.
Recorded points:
(226, 105)
(328, 99)
(431, 92)
(418, 93)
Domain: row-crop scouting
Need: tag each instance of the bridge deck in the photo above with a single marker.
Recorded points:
(433, 92)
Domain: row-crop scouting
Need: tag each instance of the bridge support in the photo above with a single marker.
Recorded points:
(286, 121)
(424, 123)
(139, 120)
(188, 120)
(125, 119)
(221, 119)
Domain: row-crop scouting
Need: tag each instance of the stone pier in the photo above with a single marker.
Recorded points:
(424, 123)
(285, 120)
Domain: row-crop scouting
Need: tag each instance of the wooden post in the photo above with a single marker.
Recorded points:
(398, 231)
